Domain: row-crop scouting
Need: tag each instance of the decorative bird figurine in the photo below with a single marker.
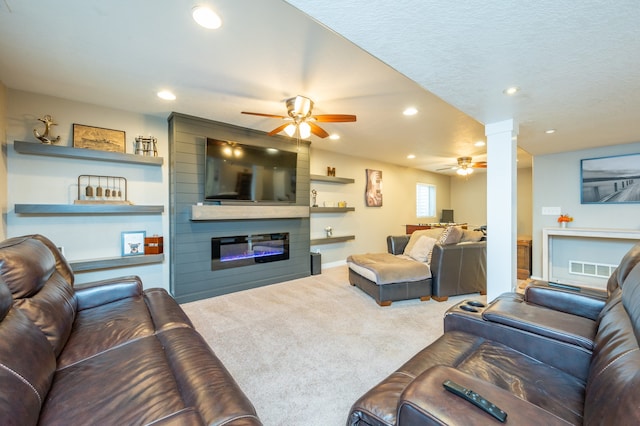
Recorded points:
(45, 138)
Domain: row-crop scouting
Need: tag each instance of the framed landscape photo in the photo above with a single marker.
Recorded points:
(610, 180)
(133, 243)
(98, 138)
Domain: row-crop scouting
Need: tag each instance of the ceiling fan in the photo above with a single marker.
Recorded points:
(300, 117)
(466, 165)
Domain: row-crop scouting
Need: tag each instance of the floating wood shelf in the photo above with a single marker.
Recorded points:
(115, 262)
(243, 212)
(331, 240)
(34, 148)
(330, 179)
(331, 209)
(51, 209)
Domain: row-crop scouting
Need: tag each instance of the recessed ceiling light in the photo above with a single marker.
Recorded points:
(550, 131)
(480, 143)
(334, 137)
(411, 156)
(410, 111)
(511, 90)
(166, 95)
(206, 17)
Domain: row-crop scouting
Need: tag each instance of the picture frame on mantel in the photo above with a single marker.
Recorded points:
(610, 180)
(133, 243)
(98, 138)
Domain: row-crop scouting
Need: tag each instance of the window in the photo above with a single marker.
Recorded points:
(425, 200)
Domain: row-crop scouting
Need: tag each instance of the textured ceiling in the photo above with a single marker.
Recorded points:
(576, 62)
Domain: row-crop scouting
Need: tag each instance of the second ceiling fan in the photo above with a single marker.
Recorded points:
(301, 119)
(466, 165)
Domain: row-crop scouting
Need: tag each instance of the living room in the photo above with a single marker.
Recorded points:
(64, 61)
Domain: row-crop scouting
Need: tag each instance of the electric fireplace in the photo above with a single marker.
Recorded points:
(244, 250)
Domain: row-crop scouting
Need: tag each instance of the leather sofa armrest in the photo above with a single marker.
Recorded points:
(101, 292)
(459, 268)
(426, 402)
(582, 302)
(397, 243)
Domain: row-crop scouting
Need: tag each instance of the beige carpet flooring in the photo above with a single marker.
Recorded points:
(304, 350)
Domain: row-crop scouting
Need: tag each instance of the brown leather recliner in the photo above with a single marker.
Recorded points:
(538, 371)
(106, 353)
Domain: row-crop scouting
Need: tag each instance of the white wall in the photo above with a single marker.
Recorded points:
(556, 180)
(3, 161)
(370, 225)
(49, 180)
(469, 199)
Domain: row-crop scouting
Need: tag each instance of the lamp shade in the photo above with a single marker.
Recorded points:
(305, 129)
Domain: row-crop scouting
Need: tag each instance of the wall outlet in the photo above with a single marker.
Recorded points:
(551, 211)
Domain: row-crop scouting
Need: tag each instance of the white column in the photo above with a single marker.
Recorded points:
(502, 205)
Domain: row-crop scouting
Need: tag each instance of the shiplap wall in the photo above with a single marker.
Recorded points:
(190, 254)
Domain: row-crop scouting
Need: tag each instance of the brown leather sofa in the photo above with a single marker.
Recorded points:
(566, 359)
(107, 353)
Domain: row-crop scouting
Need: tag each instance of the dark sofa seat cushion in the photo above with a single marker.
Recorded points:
(129, 384)
(553, 390)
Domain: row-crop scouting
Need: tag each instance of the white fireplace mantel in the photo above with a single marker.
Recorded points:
(548, 234)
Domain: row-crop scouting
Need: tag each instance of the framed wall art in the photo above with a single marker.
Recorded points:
(610, 180)
(373, 191)
(133, 243)
(98, 138)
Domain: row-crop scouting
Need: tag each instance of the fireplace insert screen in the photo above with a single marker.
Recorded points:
(244, 250)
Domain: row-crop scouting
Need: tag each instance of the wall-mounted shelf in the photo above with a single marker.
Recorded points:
(243, 212)
(330, 179)
(80, 209)
(115, 262)
(331, 240)
(331, 209)
(34, 148)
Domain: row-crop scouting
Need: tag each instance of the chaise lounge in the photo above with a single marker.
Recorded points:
(434, 263)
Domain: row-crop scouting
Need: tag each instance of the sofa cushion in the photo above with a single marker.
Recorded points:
(470, 236)
(421, 250)
(433, 233)
(451, 235)
(129, 384)
(28, 267)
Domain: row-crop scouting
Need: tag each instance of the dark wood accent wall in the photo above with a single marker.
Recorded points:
(190, 245)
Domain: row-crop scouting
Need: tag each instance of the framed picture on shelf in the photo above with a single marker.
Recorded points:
(610, 180)
(98, 138)
(133, 243)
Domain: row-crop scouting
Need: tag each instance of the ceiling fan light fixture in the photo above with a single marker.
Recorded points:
(205, 17)
(290, 129)
(464, 171)
(305, 130)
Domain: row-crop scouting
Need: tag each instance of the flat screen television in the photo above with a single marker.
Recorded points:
(240, 172)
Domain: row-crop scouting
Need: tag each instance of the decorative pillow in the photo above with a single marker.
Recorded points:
(451, 235)
(433, 233)
(421, 250)
(471, 236)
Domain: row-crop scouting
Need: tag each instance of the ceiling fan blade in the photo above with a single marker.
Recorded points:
(334, 118)
(278, 129)
(480, 165)
(317, 130)
(264, 115)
